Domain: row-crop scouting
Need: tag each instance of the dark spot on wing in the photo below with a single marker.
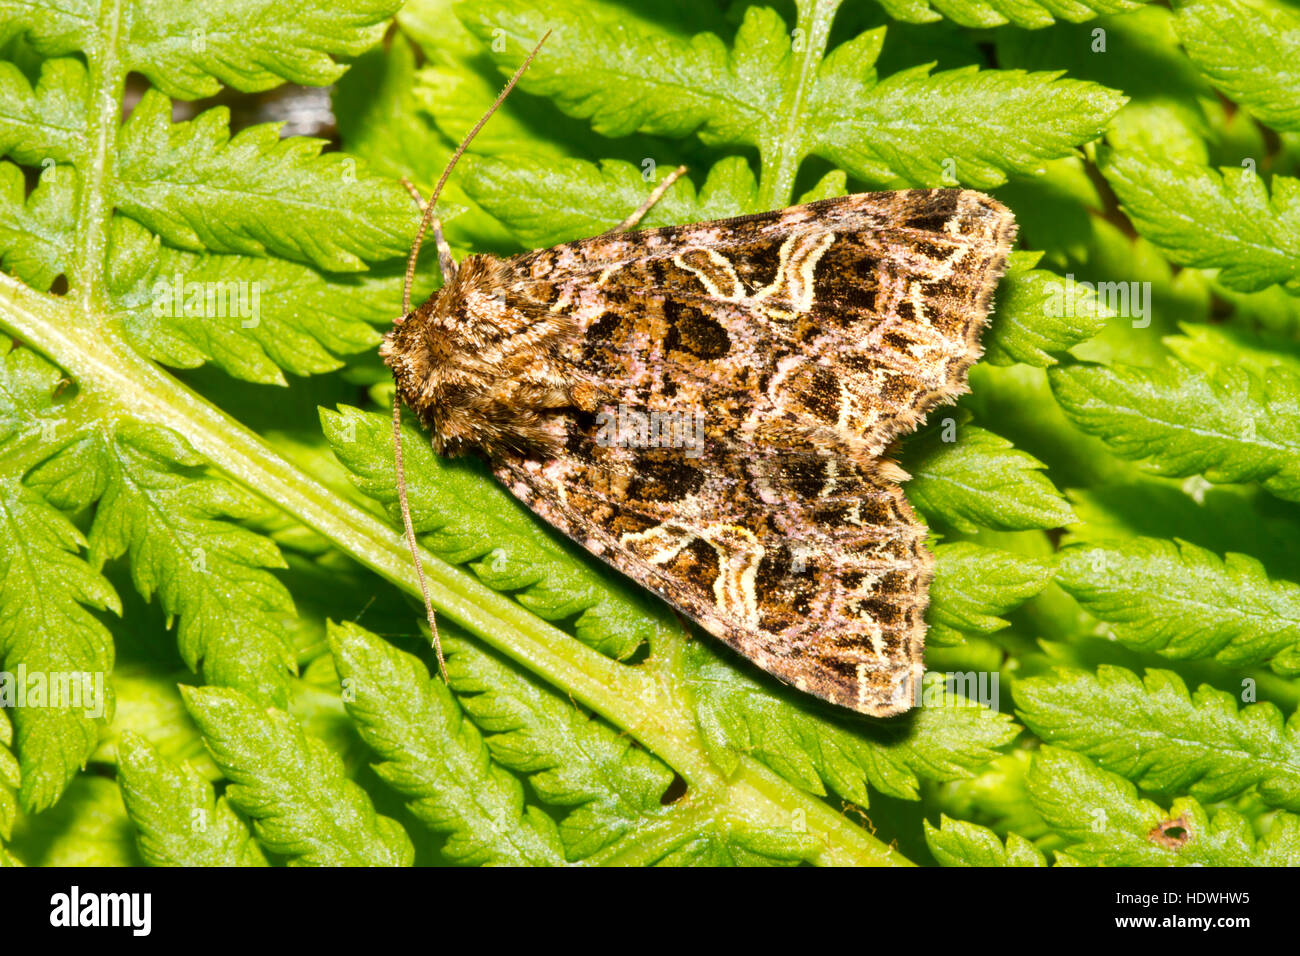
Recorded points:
(694, 331)
(665, 477)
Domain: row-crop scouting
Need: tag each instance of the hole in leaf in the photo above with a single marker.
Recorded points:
(133, 90)
(31, 179)
(640, 655)
(676, 790)
(1174, 834)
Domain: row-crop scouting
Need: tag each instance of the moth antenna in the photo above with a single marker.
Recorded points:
(399, 470)
(399, 467)
(445, 262)
(448, 267)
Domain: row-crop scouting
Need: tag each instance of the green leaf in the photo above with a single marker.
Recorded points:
(383, 106)
(1184, 602)
(977, 127)
(149, 707)
(1038, 313)
(724, 844)
(46, 591)
(980, 480)
(923, 129)
(293, 786)
(190, 51)
(55, 108)
(35, 232)
(465, 516)
(45, 630)
(1152, 731)
(624, 77)
(1223, 220)
(180, 821)
(252, 316)
(995, 13)
(1250, 50)
(1230, 426)
(88, 828)
(1211, 348)
(974, 584)
(614, 793)
(254, 193)
(436, 759)
(10, 779)
(1112, 826)
(959, 843)
(996, 795)
(376, 107)
(1218, 518)
(28, 388)
(945, 739)
(157, 506)
(1169, 110)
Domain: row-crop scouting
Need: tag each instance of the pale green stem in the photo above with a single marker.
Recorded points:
(107, 81)
(783, 149)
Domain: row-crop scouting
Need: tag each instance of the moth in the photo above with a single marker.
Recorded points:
(796, 346)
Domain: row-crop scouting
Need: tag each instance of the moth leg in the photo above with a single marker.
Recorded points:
(415, 193)
(445, 262)
(655, 195)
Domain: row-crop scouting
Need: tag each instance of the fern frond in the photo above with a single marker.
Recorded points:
(1152, 731)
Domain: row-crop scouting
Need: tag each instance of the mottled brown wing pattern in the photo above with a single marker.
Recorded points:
(842, 321)
(806, 341)
(809, 339)
(806, 563)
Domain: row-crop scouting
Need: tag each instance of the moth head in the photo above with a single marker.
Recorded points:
(483, 365)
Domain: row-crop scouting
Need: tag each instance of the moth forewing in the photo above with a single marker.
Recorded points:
(706, 408)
